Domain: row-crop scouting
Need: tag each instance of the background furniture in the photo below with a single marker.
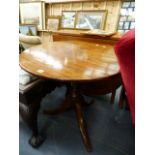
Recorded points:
(125, 51)
(30, 97)
(31, 92)
(75, 62)
(29, 41)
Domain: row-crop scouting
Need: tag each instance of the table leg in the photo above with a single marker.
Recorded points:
(74, 100)
(77, 101)
(81, 124)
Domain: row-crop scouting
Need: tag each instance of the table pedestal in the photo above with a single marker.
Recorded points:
(74, 100)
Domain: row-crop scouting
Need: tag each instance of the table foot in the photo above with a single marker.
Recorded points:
(36, 141)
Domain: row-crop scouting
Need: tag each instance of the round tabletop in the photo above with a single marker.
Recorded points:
(70, 61)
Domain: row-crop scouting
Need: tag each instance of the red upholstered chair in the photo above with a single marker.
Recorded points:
(125, 52)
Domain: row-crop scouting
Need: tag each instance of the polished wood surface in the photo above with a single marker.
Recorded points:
(75, 62)
(79, 33)
(70, 35)
(70, 61)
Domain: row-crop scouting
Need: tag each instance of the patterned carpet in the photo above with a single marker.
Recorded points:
(110, 129)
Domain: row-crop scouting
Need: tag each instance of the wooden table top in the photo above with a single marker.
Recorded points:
(70, 61)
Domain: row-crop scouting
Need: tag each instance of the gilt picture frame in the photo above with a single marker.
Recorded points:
(92, 19)
(33, 13)
(68, 19)
(28, 29)
(53, 22)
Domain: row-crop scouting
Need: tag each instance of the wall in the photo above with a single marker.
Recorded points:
(113, 7)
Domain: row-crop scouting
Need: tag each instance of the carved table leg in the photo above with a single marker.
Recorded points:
(29, 113)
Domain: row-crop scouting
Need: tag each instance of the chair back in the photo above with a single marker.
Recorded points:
(27, 42)
(125, 52)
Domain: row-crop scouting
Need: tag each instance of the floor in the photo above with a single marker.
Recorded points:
(110, 129)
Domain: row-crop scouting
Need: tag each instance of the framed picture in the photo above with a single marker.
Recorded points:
(33, 13)
(28, 29)
(120, 26)
(91, 19)
(132, 4)
(124, 12)
(123, 18)
(68, 19)
(131, 18)
(132, 25)
(53, 23)
(126, 25)
(126, 4)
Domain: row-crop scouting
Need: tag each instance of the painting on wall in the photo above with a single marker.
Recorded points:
(27, 29)
(53, 22)
(32, 13)
(68, 19)
(91, 19)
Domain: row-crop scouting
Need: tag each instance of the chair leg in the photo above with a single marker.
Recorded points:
(29, 106)
(122, 97)
(113, 96)
(29, 114)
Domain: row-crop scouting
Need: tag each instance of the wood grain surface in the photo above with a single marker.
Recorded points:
(70, 61)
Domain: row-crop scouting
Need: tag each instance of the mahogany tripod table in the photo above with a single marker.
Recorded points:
(73, 62)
